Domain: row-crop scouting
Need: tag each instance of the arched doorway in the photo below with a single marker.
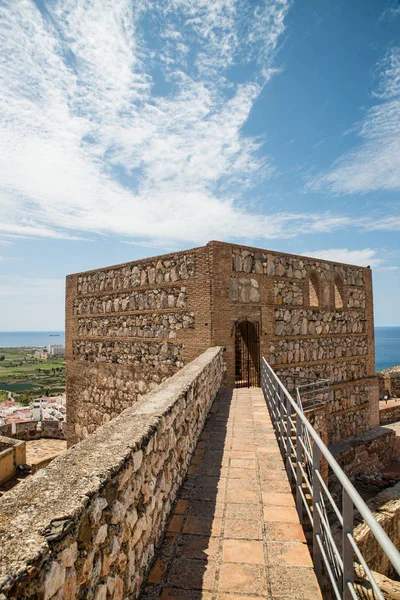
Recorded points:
(247, 354)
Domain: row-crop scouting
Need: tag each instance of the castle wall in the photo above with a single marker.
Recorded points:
(132, 326)
(129, 328)
(302, 341)
(101, 508)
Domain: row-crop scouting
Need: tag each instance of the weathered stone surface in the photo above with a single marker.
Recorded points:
(356, 298)
(288, 292)
(299, 351)
(245, 290)
(172, 268)
(102, 485)
(155, 299)
(368, 452)
(129, 353)
(147, 326)
(327, 321)
(293, 266)
(343, 371)
(386, 509)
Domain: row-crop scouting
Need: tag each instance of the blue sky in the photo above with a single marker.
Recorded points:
(129, 129)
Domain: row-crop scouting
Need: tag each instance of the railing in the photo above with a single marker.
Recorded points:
(302, 449)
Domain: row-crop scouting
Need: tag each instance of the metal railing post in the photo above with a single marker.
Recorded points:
(282, 418)
(288, 439)
(348, 552)
(316, 488)
(299, 475)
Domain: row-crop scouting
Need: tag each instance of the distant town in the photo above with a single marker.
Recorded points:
(32, 385)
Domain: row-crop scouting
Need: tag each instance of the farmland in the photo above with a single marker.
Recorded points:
(27, 377)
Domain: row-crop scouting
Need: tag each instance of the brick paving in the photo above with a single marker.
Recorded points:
(234, 534)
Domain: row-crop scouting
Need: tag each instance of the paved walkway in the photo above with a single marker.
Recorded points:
(234, 534)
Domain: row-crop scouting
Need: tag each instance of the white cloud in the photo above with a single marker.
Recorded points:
(374, 164)
(93, 141)
(362, 258)
(390, 223)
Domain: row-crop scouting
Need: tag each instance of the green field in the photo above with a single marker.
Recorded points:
(28, 377)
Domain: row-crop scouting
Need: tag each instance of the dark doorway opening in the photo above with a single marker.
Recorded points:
(247, 354)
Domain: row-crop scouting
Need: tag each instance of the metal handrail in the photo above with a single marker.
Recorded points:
(338, 563)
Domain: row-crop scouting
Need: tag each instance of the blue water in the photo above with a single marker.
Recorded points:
(387, 343)
(387, 347)
(39, 339)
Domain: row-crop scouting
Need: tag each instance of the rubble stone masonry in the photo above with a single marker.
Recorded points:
(131, 326)
(87, 525)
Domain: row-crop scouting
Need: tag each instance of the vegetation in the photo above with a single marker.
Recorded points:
(28, 377)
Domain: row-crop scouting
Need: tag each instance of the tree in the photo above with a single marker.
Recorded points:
(2, 357)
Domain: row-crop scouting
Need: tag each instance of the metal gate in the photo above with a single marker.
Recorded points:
(247, 354)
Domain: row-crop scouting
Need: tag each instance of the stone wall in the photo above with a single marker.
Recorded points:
(294, 267)
(356, 298)
(289, 292)
(100, 509)
(389, 381)
(12, 454)
(335, 371)
(166, 269)
(389, 414)
(156, 298)
(131, 326)
(35, 430)
(153, 325)
(367, 453)
(314, 322)
(316, 349)
(385, 507)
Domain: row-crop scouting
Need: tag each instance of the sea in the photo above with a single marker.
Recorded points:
(387, 343)
(387, 347)
(38, 339)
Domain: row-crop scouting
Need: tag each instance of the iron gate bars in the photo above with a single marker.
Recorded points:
(247, 354)
(303, 467)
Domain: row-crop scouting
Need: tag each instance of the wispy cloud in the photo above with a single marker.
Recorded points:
(22, 297)
(33, 289)
(362, 258)
(374, 164)
(390, 223)
(122, 117)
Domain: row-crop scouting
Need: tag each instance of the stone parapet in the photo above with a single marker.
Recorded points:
(385, 507)
(368, 452)
(12, 454)
(389, 412)
(87, 525)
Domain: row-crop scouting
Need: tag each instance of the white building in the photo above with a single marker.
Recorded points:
(55, 349)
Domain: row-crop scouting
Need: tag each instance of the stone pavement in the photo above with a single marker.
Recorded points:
(43, 449)
(234, 533)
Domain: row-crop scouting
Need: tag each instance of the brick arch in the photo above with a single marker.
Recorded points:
(313, 290)
(338, 292)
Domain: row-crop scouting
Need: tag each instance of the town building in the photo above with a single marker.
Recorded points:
(55, 349)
